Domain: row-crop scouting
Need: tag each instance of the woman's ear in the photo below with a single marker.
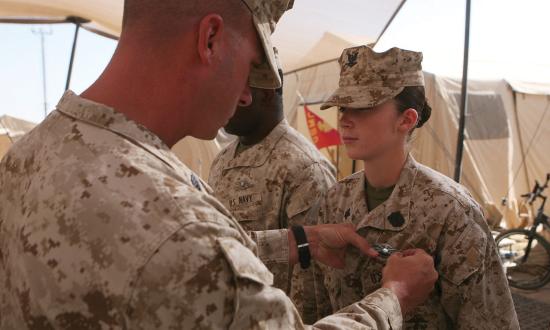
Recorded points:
(408, 120)
(210, 38)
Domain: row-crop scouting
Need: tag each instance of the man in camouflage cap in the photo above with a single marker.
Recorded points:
(102, 227)
(401, 204)
(270, 177)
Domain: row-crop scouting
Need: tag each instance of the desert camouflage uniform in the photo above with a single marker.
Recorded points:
(101, 227)
(429, 211)
(272, 185)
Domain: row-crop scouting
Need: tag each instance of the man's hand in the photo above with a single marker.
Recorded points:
(411, 276)
(327, 244)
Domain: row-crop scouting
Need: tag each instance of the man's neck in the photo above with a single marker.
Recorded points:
(115, 88)
(384, 171)
(263, 130)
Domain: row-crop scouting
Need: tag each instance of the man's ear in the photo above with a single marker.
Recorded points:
(408, 120)
(211, 29)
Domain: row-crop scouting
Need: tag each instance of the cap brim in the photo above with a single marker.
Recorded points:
(360, 97)
(266, 75)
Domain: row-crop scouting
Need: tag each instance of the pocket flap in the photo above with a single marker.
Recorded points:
(465, 256)
(243, 262)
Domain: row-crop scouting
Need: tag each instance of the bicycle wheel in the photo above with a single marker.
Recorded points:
(527, 273)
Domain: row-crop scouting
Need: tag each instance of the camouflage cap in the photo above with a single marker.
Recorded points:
(368, 78)
(266, 14)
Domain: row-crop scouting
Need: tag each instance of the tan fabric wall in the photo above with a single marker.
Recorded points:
(5, 144)
(197, 154)
(533, 112)
(499, 133)
(435, 144)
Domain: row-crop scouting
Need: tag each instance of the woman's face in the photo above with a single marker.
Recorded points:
(370, 133)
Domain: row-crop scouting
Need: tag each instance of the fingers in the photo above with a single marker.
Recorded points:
(411, 252)
(359, 242)
(411, 275)
(408, 253)
(394, 258)
(419, 254)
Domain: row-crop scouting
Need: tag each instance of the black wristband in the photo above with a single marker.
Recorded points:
(303, 246)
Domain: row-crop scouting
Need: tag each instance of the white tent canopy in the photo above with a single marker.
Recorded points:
(365, 20)
(327, 49)
(311, 18)
(105, 16)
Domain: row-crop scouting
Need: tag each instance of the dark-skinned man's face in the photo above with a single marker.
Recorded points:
(246, 119)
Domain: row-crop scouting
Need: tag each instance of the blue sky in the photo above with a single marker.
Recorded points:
(509, 39)
(21, 66)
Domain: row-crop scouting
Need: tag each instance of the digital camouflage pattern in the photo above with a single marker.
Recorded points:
(429, 211)
(266, 15)
(101, 227)
(272, 185)
(368, 78)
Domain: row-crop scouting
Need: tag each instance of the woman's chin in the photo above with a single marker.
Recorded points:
(352, 154)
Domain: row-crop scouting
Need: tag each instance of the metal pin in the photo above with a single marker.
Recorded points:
(384, 250)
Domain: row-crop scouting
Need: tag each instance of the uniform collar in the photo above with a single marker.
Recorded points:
(394, 213)
(258, 154)
(107, 118)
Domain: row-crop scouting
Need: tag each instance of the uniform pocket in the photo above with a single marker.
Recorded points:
(464, 257)
(243, 262)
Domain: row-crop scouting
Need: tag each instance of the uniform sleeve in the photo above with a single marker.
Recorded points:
(187, 283)
(474, 289)
(301, 209)
(203, 277)
(323, 305)
(261, 306)
(272, 245)
(379, 310)
(307, 287)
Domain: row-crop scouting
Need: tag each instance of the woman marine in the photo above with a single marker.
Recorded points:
(399, 204)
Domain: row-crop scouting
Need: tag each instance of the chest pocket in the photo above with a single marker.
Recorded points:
(246, 205)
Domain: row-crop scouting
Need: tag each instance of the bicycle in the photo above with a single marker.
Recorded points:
(524, 253)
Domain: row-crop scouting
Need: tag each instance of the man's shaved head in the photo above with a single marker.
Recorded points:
(186, 60)
(167, 17)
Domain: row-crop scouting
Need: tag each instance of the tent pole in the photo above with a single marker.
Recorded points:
(390, 21)
(42, 33)
(44, 74)
(464, 97)
(77, 21)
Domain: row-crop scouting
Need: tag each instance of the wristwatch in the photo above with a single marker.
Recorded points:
(304, 256)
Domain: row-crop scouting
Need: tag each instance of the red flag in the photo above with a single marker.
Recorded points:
(322, 134)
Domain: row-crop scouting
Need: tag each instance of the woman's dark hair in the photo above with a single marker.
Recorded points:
(414, 97)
